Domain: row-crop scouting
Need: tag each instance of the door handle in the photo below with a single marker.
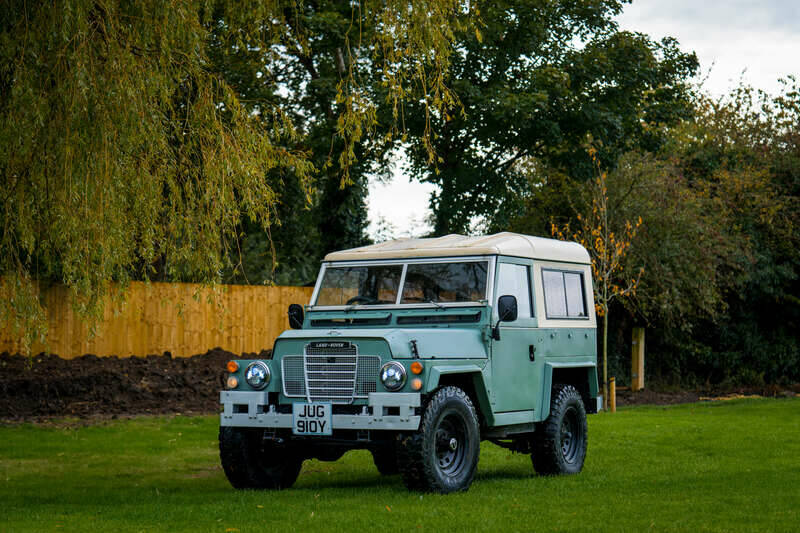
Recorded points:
(532, 352)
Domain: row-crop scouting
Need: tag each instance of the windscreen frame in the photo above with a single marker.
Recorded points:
(490, 260)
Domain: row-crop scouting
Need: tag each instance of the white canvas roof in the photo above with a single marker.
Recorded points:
(505, 243)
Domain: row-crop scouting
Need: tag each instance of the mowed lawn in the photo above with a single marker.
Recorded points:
(721, 466)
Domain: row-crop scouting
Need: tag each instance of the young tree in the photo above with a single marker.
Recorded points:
(607, 249)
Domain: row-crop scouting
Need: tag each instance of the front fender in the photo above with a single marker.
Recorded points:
(468, 374)
(437, 372)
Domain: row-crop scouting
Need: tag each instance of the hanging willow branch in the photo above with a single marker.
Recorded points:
(124, 151)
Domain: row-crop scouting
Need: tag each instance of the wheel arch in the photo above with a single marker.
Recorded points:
(583, 376)
(468, 378)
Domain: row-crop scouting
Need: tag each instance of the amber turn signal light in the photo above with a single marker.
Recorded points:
(232, 366)
(416, 367)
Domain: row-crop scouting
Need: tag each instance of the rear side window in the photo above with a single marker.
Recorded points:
(563, 294)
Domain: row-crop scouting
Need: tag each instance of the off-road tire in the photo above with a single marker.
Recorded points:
(442, 455)
(250, 462)
(560, 441)
(385, 460)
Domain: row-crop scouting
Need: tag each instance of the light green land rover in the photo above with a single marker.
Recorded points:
(418, 350)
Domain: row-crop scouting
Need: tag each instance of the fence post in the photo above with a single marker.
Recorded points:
(612, 395)
(637, 359)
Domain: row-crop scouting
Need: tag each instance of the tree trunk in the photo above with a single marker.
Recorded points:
(605, 360)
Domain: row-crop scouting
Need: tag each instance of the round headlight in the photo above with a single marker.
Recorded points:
(393, 376)
(257, 375)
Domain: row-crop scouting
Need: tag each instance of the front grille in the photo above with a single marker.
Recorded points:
(294, 376)
(330, 374)
(331, 378)
(366, 380)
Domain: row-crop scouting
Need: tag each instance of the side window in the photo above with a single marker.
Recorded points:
(563, 294)
(555, 298)
(515, 280)
(575, 300)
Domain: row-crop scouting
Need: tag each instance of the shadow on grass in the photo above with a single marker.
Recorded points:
(395, 483)
(214, 489)
(340, 482)
(505, 474)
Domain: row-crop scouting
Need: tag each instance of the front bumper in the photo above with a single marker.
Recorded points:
(251, 409)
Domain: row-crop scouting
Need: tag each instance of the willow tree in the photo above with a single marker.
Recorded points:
(124, 149)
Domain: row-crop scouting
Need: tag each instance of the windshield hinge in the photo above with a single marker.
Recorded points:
(414, 350)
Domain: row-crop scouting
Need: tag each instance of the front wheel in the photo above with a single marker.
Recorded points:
(250, 462)
(559, 443)
(442, 455)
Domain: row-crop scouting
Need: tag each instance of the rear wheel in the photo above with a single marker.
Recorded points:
(560, 442)
(442, 455)
(250, 462)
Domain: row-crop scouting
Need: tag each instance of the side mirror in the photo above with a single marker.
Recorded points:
(296, 316)
(507, 308)
(506, 312)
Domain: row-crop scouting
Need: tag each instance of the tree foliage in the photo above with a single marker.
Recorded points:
(718, 240)
(126, 149)
(206, 140)
(335, 52)
(538, 80)
(742, 156)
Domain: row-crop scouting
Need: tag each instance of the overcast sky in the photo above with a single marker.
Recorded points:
(754, 40)
(760, 37)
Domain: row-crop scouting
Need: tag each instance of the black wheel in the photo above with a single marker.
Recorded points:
(559, 443)
(442, 455)
(250, 462)
(385, 460)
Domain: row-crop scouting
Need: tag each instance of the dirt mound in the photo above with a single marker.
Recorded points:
(46, 386)
(49, 386)
(657, 397)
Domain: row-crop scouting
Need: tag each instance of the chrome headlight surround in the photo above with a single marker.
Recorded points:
(393, 376)
(257, 375)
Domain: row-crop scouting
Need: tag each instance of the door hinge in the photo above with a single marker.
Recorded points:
(532, 352)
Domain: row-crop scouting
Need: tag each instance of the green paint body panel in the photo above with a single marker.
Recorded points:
(522, 384)
(511, 378)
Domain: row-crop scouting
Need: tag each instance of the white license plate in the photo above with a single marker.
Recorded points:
(311, 419)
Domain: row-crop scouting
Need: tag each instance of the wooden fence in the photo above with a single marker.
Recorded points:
(182, 318)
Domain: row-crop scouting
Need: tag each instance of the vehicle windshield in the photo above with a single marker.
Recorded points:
(445, 282)
(362, 285)
(424, 283)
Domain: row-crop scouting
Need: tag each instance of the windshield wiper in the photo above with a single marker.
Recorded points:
(437, 304)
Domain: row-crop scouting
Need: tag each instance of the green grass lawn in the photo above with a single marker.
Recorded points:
(726, 466)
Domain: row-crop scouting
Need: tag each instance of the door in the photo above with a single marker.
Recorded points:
(514, 367)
